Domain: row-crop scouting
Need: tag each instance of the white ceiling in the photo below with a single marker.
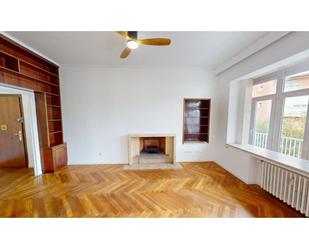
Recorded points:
(206, 49)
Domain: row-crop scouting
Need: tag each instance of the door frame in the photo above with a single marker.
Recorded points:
(20, 99)
(30, 124)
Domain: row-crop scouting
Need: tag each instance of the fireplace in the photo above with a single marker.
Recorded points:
(151, 148)
(152, 145)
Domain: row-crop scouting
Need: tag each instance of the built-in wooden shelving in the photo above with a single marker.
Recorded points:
(196, 120)
(53, 132)
(38, 68)
(23, 68)
(54, 106)
(8, 62)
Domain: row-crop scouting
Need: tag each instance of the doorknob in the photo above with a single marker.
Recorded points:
(20, 135)
(20, 119)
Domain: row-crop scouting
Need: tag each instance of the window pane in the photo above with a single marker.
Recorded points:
(296, 82)
(263, 89)
(262, 121)
(293, 125)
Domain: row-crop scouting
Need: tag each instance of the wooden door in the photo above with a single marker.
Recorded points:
(12, 138)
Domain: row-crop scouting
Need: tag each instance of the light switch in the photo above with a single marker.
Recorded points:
(3, 127)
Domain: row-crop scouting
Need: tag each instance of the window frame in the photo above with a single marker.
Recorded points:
(253, 117)
(258, 81)
(277, 108)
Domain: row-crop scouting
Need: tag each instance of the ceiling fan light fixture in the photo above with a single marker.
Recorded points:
(132, 44)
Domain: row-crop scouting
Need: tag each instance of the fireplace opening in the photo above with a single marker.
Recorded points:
(151, 149)
(152, 145)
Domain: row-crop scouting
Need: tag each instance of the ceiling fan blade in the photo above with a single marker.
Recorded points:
(155, 41)
(125, 53)
(124, 34)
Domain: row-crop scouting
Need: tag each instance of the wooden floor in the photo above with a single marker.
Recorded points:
(197, 190)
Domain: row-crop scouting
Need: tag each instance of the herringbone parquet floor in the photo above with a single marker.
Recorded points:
(197, 190)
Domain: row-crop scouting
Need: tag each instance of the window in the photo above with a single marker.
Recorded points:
(293, 125)
(263, 93)
(297, 82)
(261, 123)
(279, 112)
(196, 120)
(263, 89)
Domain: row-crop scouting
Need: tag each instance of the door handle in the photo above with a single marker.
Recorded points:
(20, 119)
(20, 135)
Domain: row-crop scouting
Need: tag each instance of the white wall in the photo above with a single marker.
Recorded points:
(237, 162)
(101, 106)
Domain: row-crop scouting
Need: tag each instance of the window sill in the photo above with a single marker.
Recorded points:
(291, 163)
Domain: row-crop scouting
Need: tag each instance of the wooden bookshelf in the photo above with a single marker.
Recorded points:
(50, 125)
(23, 68)
(196, 117)
(9, 62)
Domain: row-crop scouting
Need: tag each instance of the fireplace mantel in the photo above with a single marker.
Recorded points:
(166, 148)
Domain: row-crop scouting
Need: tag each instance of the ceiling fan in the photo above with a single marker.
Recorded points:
(133, 42)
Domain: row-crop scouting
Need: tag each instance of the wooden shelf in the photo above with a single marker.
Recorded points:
(54, 120)
(27, 76)
(55, 138)
(38, 68)
(9, 62)
(54, 132)
(196, 109)
(53, 100)
(55, 106)
(16, 68)
(39, 80)
(9, 55)
(52, 94)
(194, 140)
(55, 145)
(12, 64)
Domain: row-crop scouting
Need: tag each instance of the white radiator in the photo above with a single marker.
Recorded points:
(292, 188)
